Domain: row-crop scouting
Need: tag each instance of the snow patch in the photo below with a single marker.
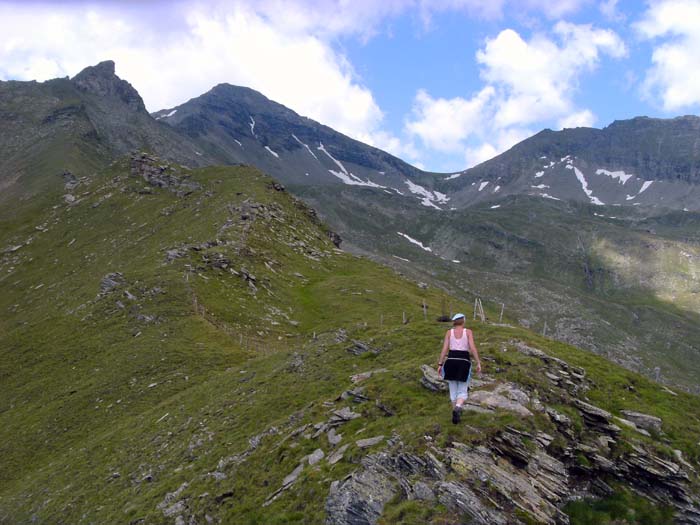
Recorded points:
(543, 157)
(584, 185)
(305, 145)
(621, 175)
(170, 114)
(401, 258)
(454, 176)
(252, 126)
(496, 189)
(539, 174)
(547, 196)
(483, 185)
(416, 242)
(238, 142)
(495, 206)
(197, 153)
(629, 197)
(541, 186)
(344, 175)
(456, 261)
(646, 185)
(272, 152)
(429, 198)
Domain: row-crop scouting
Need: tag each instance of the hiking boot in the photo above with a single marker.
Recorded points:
(456, 415)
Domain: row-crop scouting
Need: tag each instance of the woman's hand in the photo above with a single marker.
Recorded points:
(478, 367)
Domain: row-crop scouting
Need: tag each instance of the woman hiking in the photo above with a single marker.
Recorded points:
(455, 366)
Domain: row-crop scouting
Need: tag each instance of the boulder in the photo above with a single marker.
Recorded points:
(357, 378)
(431, 380)
(337, 455)
(341, 416)
(494, 401)
(422, 491)
(360, 498)
(316, 456)
(597, 417)
(333, 437)
(645, 421)
(369, 442)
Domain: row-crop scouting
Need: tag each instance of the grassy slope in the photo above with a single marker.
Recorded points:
(89, 390)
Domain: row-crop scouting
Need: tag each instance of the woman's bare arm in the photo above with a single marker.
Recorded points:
(474, 351)
(445, 349)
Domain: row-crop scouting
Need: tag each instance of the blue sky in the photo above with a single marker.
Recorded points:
(444, 84)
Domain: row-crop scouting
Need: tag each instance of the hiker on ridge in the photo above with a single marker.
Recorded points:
(456, 366)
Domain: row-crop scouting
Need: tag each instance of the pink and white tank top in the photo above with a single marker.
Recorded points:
(461, 343)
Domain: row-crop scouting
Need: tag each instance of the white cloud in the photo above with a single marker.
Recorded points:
(537, 78)
(673, 79)
(235, 44)
(443, 124)
(579, 119)
(527, 82)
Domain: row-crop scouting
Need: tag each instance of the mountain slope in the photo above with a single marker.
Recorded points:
(239, 125)
(73, 126)
(189, 346)
(637, 162)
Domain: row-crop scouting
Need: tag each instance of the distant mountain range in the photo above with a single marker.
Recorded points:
(569, 228)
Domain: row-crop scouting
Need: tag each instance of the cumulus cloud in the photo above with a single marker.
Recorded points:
(673, 79)
(579, 119)
(443, 124)
(528, 82)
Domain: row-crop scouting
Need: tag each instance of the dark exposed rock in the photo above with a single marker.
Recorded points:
(111, 281)
(341, 416)
(356, 394)
(160, 175)
(597, 417)
(360, 498)
(537, 487)
(335, 238)
(458, 497)
(359, 348)
(102, 81)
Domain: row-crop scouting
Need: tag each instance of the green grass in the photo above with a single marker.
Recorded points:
(622, 508)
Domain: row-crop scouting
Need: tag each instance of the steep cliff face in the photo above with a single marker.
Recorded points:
(102, 81)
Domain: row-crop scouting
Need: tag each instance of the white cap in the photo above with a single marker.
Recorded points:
(457, 316)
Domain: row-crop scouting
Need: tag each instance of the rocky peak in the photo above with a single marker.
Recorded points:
(101, 80)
